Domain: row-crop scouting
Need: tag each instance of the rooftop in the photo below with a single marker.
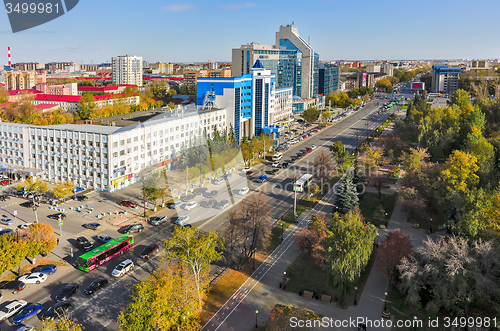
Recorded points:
(130, 118)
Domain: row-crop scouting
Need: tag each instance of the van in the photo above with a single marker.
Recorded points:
(277, 156)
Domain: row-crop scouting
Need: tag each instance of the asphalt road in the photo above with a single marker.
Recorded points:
(100, 311)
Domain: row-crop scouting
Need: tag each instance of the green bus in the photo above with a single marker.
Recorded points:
(106, 252)
(401, 99)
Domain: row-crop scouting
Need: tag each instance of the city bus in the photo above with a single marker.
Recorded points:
(106, 252)
(434, 95)
(401, 99)
(302, 183)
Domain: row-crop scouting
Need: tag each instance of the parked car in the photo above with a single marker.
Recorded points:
(221, 204)
(6, 182)
(200, 190)
(57, 216)
(276, 164)
(104, 238)
(47, 269)
(188, 197)
(275, 171)
(6, 221)
(261, 179)
(13, 285)
(96, 285)
(246, 169)
(149, 250)
(211, 194)
(67, 292)
(6, 231)
(190, 205)
(158, 220)
(57, 310)
(128, 203)
(217, 181)
(24, 226)
(249, 173)
(33, 278)
(26, 313)
(174, 204)
(122, 268)
(92, 226)
(83, 244)
(182, 219)
(313, 147)
(137, 227)
(11, 309)
(4, 197)
(81, 198)
(243, 191)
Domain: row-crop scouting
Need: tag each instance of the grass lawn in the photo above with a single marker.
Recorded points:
(221, 292)
(368, 203)
(305, 274)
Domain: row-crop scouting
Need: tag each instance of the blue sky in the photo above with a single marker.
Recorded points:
(202, 30)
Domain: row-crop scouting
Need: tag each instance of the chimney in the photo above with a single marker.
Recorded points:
(9, 55)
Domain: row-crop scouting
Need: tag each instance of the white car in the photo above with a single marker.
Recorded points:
(313, 147)
(11, 309)
(122, 268)
(24, 226)
(33, 278)
(246, 169)
(6, 221)
(181, 219)
(26, 328)
(190, 205)
(104, 238)
(244, 190)
(276, 164)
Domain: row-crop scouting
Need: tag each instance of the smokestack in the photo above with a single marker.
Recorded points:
(9, 55)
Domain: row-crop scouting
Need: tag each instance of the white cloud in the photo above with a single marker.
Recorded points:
(238, 6)
(176, 7)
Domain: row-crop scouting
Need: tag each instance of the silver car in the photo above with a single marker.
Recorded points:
(6, 221)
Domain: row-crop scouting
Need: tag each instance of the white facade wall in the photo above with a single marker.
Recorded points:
(283, 100)
(127, 70)
(100, 157)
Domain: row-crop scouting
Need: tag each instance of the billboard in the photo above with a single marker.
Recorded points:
(417, 86)
(364, 79)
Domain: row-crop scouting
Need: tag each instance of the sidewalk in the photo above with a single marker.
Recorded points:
(262, 292)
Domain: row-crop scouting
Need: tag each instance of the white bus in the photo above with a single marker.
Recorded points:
(277, 156)
(302, 183)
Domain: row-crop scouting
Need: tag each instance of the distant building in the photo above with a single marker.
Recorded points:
(445, 79)
(299, 105)
(373, 68)
(20, 95)
(30, 66)
(163, 68)
(70, 102)
(66, 89)
(110, 89)
(291, 59)
(328, 80)
(190, 77)
(20, 80)
(127, 70)
(387, 68)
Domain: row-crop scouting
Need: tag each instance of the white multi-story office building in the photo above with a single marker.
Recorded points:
(127, 70)
(387, 68)
(103, 157)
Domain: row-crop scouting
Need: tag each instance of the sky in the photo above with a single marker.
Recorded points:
(207, 30)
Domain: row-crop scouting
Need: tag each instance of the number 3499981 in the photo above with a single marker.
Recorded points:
(32, 8)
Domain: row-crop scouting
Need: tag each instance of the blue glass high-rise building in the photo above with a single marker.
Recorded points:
(292, 59)
(329, 77)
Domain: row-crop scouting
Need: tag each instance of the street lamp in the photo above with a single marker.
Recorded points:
(430, 226)
(253, 251)
(386, 219)
(385, 303)
(282, 223)
(256, 313)
(355, 289)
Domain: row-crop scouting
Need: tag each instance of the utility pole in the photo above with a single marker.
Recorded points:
(367, 130)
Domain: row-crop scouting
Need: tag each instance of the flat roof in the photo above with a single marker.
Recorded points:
(130, 118)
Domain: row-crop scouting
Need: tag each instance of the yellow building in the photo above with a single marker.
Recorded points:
(164, 68)
(190, 77)
(20, 80)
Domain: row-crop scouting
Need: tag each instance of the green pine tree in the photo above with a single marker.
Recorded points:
(347, 197)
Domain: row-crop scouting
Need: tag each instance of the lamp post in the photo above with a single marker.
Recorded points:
(256, 313)
(284, 279)
(386, 219)
(430, 225)
(355, 289)
(415, 323)
(385, 302)
(282, 223)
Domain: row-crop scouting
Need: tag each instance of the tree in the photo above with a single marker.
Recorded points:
(85, 107)
(460, 172)
(4, 96)
(379, 215)
(197, 251)
(340, 154)
(309, 237)
(347, 249)
(326, 114)
(63, 189)
(460, 98)
(12, 252)
(311, 114)
(36, 185)
(166, 300)
(40, 238)
(393, 248)
(63, 323)
(322, 167)
(384, 84)
(231, 137)
(414, 161)
(451, 274)
(249, 228)
(347, 196)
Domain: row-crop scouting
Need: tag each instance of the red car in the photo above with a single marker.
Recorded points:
(127, 203)
(5, 182)
(249, 173)
(309, 149)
